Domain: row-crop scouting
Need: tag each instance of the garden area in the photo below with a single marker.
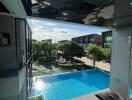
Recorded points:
(52, 58)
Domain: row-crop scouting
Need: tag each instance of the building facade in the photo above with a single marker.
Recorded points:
(47, 40)
(15, 58)
(15, 52)
(63, 41)
(87, 39)
(106, 38)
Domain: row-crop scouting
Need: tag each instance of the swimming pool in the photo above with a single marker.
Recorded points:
(70, 85)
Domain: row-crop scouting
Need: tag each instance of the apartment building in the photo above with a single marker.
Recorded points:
(63, 41)
(47, 40)
(15, 36)
(87, 39)
(106, 38)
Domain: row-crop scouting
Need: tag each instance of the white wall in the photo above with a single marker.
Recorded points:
(120, 62)
(13, 57)
(11, 87)
(8, 54)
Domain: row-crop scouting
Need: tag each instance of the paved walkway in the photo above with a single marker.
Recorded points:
(87, 97)
(101, 65)
(106, 94)
(90, 96)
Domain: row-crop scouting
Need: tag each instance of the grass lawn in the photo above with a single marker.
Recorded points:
(35, 98)
(42, 72)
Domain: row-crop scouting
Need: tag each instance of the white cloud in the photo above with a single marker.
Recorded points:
(50, 30)
(55, 34)
(50, 24)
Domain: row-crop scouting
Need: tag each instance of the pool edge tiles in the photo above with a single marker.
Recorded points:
(71, 72)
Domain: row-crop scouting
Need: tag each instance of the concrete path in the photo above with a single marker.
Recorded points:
(101, 65)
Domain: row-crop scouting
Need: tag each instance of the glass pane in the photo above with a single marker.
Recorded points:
(130, 38)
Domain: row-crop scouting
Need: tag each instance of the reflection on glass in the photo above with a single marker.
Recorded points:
(39, 86)
(93, 12)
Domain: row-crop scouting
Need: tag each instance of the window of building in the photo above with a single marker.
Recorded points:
(108, 39)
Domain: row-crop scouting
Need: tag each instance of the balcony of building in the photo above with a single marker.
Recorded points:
(15, 39)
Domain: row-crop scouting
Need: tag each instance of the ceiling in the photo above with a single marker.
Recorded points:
(93, 12)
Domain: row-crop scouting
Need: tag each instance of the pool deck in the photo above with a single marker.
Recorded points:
(105, 92)
(87, 97)
(90, 96)
(100, 65)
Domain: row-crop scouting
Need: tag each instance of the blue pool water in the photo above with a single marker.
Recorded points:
(70, 85)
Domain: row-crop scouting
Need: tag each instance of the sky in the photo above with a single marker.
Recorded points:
(57, 31)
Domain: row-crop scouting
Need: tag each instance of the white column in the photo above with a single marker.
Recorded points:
(120, 67)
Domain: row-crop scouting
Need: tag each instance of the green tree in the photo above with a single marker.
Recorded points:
(95, 53)
(71, 49)
(36, 49)
(48, 51)
(107, 53)
(44, 51)
(33, 40)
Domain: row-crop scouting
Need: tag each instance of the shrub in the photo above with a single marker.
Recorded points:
(35, 98)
